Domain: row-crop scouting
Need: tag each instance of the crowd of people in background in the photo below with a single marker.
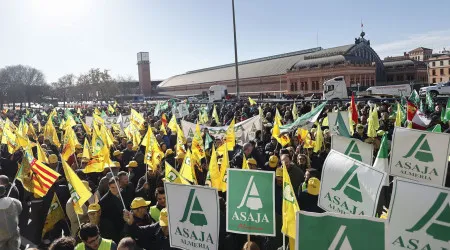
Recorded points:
(128, 207)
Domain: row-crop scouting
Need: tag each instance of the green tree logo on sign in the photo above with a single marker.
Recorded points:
(340, 241)
(353, 151)
(251, 196)
(350, 184)
(193, 211)
(436, 220)
(422, 153)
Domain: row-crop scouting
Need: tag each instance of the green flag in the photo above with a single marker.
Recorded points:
(429, 101)
(437, 128)
(445, 116)
(342, 129)
(414, 98)
(208, 141)
(103, 115)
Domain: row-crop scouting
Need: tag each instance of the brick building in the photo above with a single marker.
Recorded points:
(439, 67)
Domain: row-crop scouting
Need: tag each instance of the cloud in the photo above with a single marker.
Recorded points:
(435, 40)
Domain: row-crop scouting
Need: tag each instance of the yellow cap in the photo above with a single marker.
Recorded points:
(279, 172)
(139, 202)
(93, 207)
(251, 161)
(169, 152)
(115, 164)
(273, 161)
(86, 184)
(117, 152)
(380, 132)
(132, 164)
(52, 159)
(80, 155)
(163, 221)
(313, 186)
(180, 155)
(78, 146)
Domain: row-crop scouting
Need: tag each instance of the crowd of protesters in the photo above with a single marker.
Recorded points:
(144, 225)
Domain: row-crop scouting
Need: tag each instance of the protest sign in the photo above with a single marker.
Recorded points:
(244, 131)
(330, 231)
(109, 120)
(419, 216)
(354, 148)
(193, 216)
(251, 202)
(420, 155)
(349, 186)
(332, 121)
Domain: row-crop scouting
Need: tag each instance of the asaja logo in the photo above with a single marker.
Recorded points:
(288, 193)
(340, 241)
(190, 133)
(252, 201)
(353, 151)
(171, 176)
(436, 221)
(251, 196)
(193, 211)
(350, 184)
(422, 153)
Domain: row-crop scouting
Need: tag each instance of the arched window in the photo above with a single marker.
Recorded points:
(292, 86)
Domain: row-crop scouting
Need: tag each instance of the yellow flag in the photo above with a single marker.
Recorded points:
(172, 175)
(172, 124)
(214, 171)
(294, 112)
(55, 214)
(79, 111)
(325, 121)
(251, 101)
(215, 115)
(289, 206)
(223, 172)
(9, 138)
(350, 121)
(222, 149)
(373, 124)
(32, 131)
(69, 146)
(42, 156)
(95, 165)
(110, 109)
(319, 139)
(398, 116)
(39, 127)
(230, 136)
(283, 139)
(181, 140)
(278, 117)
(187, 170)
(79, 193)
(244, 163)
(163, 129)
(197, 143)
(86, 149)
(136, 118)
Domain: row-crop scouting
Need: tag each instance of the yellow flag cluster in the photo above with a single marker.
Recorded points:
(172, 175)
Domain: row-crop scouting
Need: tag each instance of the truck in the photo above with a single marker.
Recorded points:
(217, 93)
(442, 88)
(336, 88)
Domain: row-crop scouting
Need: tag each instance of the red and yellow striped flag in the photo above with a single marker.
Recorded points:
(43, 177)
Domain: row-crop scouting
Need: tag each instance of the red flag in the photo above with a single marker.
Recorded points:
(353, 110)
(164, 120)
(411, 110)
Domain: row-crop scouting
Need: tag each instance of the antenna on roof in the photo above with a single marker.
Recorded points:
(362, 25)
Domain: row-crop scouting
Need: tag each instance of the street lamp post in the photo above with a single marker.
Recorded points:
(238, 95)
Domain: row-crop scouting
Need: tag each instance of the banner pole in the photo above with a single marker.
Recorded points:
(120, 195)
(248, 241)
(284, 241)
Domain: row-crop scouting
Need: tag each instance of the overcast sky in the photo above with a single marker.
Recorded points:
(61, 37)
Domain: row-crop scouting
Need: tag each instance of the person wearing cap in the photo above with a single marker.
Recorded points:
(105, 227)
(91, 239)
(179, 160)
(308, 198)
(139, 208)
(360, 135)
(73, 217)
(252, 164)
(272, 164)
(117, 156)
(10, 209)
(154, 236)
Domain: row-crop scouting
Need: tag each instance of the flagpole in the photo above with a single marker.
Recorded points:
(284, 241)
(120, 195)
(12, 185)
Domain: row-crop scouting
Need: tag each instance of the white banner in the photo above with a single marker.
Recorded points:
(420, 155)
(354, 148)
(349, 186)
(332, 121)
(244, 131)
(419, 216)
(183, 110)
(193, 216)
(110, 120)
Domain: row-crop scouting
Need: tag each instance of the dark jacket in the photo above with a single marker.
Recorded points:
(308, 202)
(150, 236)
(128, 194)
(297, 176)
(154, 182)
(112, 211)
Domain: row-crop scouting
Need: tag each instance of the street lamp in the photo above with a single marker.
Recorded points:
(235, 55)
